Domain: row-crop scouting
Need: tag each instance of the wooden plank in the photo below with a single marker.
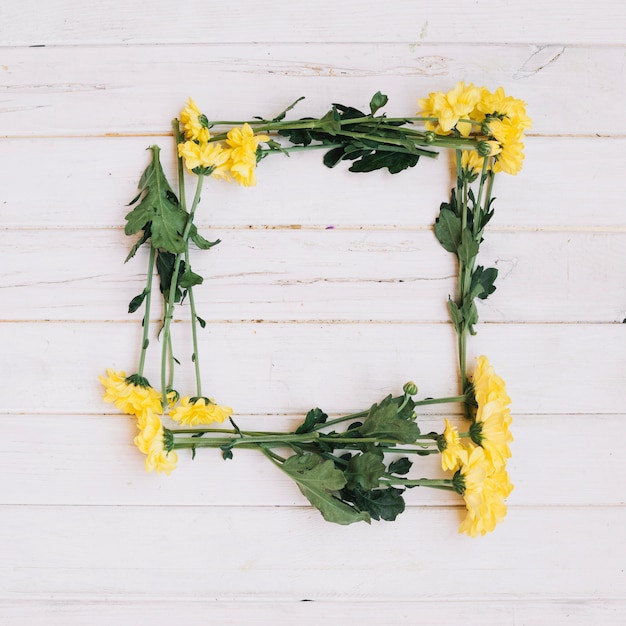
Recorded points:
(57, 460)
(159, 611)
(313, 275)
(94, 192)
(277, 554)
(290, 368)
(117, 22)
(54, 91)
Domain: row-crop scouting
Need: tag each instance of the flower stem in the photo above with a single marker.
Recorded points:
(433, 483)
(194, 327)
(146, 316)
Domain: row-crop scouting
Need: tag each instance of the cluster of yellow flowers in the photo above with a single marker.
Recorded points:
(235, 158)
(501, 119)
(133, 395)
(480, 465)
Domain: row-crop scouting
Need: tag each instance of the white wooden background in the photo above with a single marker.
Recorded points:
(300, 315)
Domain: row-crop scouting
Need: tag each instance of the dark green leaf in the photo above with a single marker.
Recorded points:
(378, 101)
(317, 479)
(400, 466)
(482, 283)
(455, 315)
(384, 422)
(384, 504)
(313, 418)
(137, 301)
(332, 157)
(201, 321)
(165, 262)
(144, 237)
(364, 470)
(448, 229)
(394, 161)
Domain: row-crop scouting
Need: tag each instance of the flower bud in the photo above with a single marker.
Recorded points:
(429, 136)
(410, 388)
(484, 148)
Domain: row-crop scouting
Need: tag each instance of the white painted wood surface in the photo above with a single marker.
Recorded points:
(300, 314)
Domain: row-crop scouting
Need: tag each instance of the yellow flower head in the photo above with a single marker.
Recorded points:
(194, 411)
(150, 442)
(451, 107)
(451, 448)
(493, 417)
(211, 156)
(484, 490)
(195, 124)
(498, 104)
(129, 397)
(243, 145)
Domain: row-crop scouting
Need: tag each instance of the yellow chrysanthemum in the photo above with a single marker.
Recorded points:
(500, 105)
(484, 490)
(490, 429)
(204, 155)
(199, 412)
(150, 442)
(194, 123)
(471, 163)
(128, 397)
(243, 145)
(451, 107)
(451, 447)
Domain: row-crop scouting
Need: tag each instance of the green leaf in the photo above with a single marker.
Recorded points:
(137, 301)
(378, 101)
(165, 262)
(482, 282)
(364, 470)
(470, 315)
(201, 321)
(400, 466)
(317, 479)
(330, 123)
(468, 249)
(144, 237)
(158, 209)
(455, 315)
(448, 229)
(200, 241)
(313, 418)
(395, 162)
(282, 114)
(383, 422)
(189, 279)
(384, 504)
(334, 156)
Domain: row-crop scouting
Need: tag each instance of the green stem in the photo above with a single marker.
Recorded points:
(146, 316)
(169, 310)
(433, 483)
(194, 327)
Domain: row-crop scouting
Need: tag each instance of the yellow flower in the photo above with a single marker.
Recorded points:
(243, 145)
(195, 124)
(449, 108)
(129, 397)
(488, 385)
(199, 411)
(204, 155)
(150, 442)
(490, 429)
(484, 490)
(450, 446)
(500, 105)
(471, 164)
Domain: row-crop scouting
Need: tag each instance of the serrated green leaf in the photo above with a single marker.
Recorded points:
(317, 479)
(145, 235)
(448, 229)
(313, 418)
(384, 504)
(400, 466)
(378, 101)
(383, 422)
(364, 470)
(158, 209)
(482, 282)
